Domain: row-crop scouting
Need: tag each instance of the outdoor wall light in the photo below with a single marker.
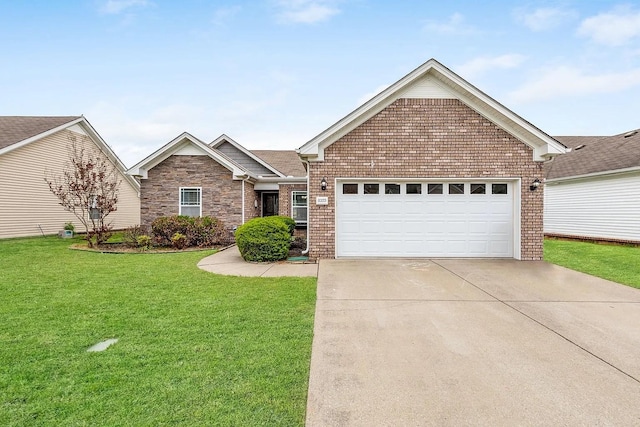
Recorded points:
(255, 204)
(534, 185)
(323, 184)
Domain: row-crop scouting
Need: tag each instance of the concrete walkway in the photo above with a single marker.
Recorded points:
(472, 342)
(230, 263)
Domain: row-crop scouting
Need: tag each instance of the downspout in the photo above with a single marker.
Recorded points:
(243, 201)
(306, 251)
(246, 177)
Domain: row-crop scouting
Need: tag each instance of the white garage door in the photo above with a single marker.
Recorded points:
(424, 219)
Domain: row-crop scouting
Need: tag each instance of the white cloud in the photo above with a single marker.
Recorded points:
(114, 7)
(564, 81)
(305, 11)
(544, 18)
(135, 137)
(614, 28)
(485, 63)
(455, 25)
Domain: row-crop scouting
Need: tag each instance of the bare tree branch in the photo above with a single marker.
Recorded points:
(88, 187)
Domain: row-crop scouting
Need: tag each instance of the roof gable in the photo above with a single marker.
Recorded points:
(243, 157)
(16, 131)
(184, 143)
(434, 80)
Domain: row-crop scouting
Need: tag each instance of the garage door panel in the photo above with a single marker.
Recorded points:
(478, 247)
(370, 227)
(456, 247)
(425, 225)
(499, 248)
(412, 207)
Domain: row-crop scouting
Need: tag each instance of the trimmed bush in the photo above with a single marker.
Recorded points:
(144, 242)
(263, 239)
(288, 221)
(197, 231)
(179, 241)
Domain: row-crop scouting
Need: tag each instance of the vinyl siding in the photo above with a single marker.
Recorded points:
(25, 199)
(602, 208)
(243, 160)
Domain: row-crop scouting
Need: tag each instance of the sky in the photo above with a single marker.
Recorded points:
(272, 74)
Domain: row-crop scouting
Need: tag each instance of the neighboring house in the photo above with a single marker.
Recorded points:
(221, 179)
(430, 167)
(33, 146)
(593, 191)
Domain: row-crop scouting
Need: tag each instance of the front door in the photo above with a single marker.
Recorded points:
(269, 204)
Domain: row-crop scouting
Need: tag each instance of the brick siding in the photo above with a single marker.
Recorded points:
(221, 195)
(426, 138)
(284, 197)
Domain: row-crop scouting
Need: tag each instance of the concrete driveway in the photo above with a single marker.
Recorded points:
(472, 342)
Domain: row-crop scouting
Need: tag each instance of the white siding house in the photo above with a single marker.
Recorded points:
(593, 192)
(31, 147)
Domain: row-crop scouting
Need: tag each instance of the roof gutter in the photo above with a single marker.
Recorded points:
(284, 179)
(593, 175)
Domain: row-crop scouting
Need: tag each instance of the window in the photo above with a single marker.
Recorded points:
(299, 206)
(190, 201)
(414, 188)
(392, 189)
(349, 188)
(498, 188)
(434, 189)
(94, 212)
(371, 189)
(456, 188)
(478, 189)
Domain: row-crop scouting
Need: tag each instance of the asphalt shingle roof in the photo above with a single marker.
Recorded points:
(591, 154)
(14, 129)
(285, 161)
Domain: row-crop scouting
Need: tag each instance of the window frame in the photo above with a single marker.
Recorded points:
(295, 206)
(478, 185)
(494, 185)
(181, 205)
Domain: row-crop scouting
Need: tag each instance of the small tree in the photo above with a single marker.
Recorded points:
(88, 187)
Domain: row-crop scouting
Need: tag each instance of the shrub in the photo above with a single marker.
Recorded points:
(179, 241)
(289, 222)
(263, 239)
(198, 231)
(143, 242)
(130, 236)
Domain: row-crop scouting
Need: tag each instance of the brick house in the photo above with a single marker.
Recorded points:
(221, 179)
(430, 167)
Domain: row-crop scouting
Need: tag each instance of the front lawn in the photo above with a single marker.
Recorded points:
(613, 262)
(194, 348)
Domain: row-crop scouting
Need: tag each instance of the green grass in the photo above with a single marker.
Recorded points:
(194, 348)
(613, 262)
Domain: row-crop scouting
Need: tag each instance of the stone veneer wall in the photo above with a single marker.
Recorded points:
(221, 195)
(251, 197)
(426, 138)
